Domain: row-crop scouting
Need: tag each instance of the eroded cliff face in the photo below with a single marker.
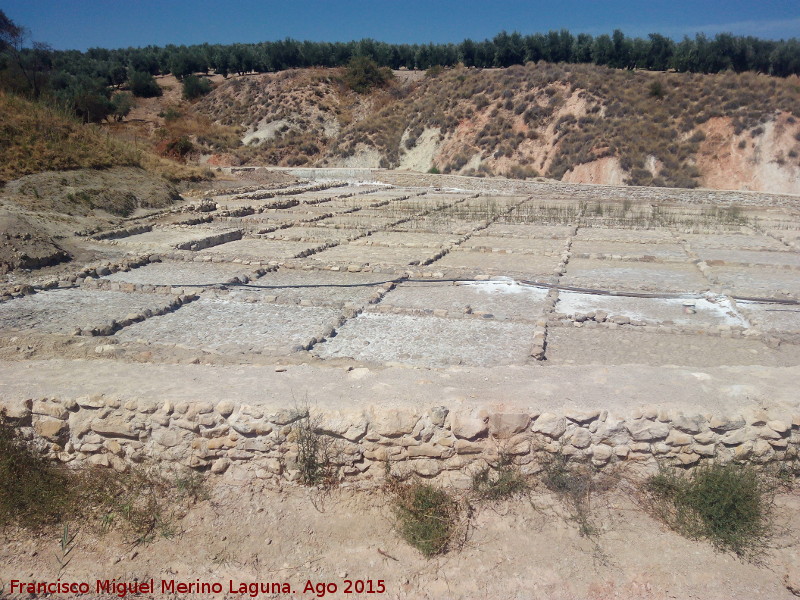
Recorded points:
(768, 161)
(603, 170)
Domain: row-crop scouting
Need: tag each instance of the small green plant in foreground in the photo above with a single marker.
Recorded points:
(427, 517)
(66, 546)
(730, 505)
(499, 482)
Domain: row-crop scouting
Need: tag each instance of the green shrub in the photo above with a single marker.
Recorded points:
(427, 517)
(363, 74)
(656, 88)
(179, 147)
(730, 505)
(434, 71)
(171, 114)
(195, 87)
(143, 85)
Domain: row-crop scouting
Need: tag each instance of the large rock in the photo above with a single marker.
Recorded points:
(582, 417)
(350, 427)
(428, 451)
(50, 409)
(469, 427)
(644, 430)
(613, 432)
(722, 424)
(438, 414)
(241, 425)
(166, 437)
(427, 467)
(95, 401)
(581, 438)
(550, 425)
(392, 422)
(736, 437)
(19, 410)
(506, 425)
(778, 426)
(689, 423)
(601, 454)
(49, 428)
(225, 407)
(678, 438)
(465, 447)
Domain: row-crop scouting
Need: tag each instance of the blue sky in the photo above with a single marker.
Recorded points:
(81, 24)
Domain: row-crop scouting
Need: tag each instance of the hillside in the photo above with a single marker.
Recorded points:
(58, 176)
(576, 123)
(36, 138)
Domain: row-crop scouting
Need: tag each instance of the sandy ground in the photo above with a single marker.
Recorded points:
(527, 548)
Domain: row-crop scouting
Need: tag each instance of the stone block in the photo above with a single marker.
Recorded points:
(468, 427)
(392, 423)
(580, 438)
(114, 427)
(49, 428)
(426, 467)
(50, 409)
(550, 425)
(506, 425)
(644, 430)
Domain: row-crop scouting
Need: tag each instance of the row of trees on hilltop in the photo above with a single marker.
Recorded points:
(88, 82)
(656, 52)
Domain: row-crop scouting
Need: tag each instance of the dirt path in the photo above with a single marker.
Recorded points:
(618, 389)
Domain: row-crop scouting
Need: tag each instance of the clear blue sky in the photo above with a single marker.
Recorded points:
(81, 24)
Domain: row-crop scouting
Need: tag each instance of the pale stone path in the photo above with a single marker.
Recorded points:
(618, 388)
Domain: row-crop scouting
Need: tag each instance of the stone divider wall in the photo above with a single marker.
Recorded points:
(253, 441)
(122, 233)
(210, 241)
(78, 278)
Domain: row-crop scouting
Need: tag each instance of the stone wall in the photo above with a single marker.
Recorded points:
(245, 441)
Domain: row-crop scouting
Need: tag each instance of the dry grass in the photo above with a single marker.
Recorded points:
(36, 137)
(143, 503)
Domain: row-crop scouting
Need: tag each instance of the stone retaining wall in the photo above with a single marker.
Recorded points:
(253, 441)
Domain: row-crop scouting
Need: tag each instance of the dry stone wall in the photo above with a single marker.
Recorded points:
(248, 441)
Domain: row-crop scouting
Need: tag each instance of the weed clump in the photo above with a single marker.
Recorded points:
(574, 485)
(499, 482)
(144, 503)
(427, 517)
(728, 504)
(314, 452)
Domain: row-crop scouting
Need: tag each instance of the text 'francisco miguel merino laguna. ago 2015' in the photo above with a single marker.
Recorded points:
(122, 589)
